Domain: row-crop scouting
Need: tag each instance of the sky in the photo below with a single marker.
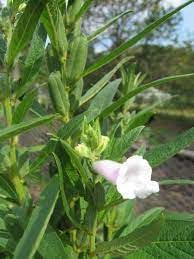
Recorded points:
(187, 27)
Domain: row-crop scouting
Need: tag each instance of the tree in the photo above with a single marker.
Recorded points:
(144, 12)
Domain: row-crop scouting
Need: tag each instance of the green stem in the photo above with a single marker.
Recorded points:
(93, 239)
(13, 141)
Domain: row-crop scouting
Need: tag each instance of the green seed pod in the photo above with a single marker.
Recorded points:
(63, 92)
(61, 36)
(58, 95)
(75, 95)
(77, 57)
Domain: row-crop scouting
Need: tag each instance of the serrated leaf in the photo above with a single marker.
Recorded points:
(123, 47)
(24, 126)
(143, 220)
(33, 60)
(25, 28)
(38, 222)
(161, 153)
(117, 147)
(176, 240)
(133, 242)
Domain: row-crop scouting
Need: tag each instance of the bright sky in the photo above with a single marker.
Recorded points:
(187, 27)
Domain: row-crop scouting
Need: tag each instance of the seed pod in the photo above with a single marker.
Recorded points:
(58, 94)
(61, 35)
(77, 57)
(75, 95)
(63, 92)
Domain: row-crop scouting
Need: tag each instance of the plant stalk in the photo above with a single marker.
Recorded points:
(14, 177)
(93, 239)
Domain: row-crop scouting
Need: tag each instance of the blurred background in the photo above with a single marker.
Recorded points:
(167, 51)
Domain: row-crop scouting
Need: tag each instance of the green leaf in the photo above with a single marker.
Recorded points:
(176, 240)
(123, 47)
(52, 246)
(33, 60)
(3, 48)
(75, 160)
(117, 147)
(71, 127)
(161, 153)
(24, 29)
(49, 20)
(83, 9)
(177, 182)
(38, 222)
(24, 106)
(99, 196)
(133, 242)
(42, 158)
(66, 207)
(117, 104)
(141, 118)
(101, 83)
(6, 189)
(102, 100)
(24, 126)
(143, 220)
(107, 25)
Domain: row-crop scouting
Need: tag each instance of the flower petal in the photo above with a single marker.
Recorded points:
(126, 190)
(107, 168)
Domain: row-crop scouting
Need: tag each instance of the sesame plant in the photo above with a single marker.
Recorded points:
(86, 206)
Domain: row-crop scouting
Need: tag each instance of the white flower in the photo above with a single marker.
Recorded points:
(132, 178)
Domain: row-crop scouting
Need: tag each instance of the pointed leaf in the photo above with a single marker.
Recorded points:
(176, 240)
(133, 242)
(24, 107)
(117, 104)
(177, 182)
(62, 190)
(122, 48)
(102, 100)
(52, 246)
(101, 83)
(161, 153)
(38, 222)
(117, 147)
(83, 9)
(107, 25)
(25, 28)
(24, 126)
(33, 60)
